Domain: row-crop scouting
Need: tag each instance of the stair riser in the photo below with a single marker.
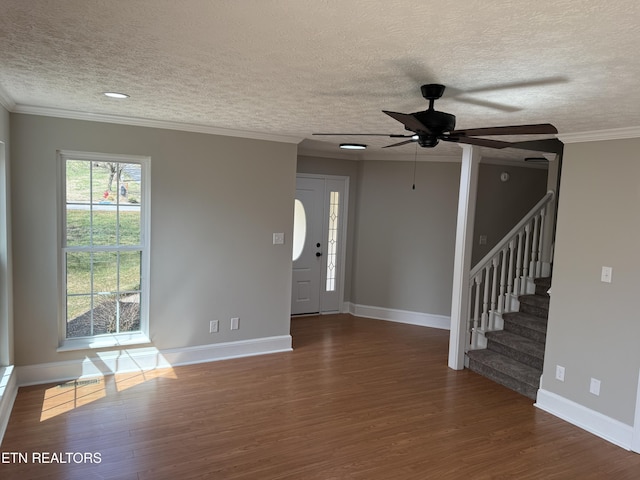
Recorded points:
(521, 357)
(534, 310)
(541, 289)
(525, 332)
(525, 389)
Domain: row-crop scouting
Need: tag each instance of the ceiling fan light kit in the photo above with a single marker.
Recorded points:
(429, 127)
(353, 146)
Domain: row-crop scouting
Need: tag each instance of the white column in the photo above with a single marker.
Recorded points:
(547, 239)
(462, 261)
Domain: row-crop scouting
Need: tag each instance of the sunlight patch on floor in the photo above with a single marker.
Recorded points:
(68, 396)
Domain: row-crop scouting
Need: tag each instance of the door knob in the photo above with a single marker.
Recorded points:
(318, 254)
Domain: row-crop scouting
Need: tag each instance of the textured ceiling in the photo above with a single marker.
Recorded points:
(293, 67)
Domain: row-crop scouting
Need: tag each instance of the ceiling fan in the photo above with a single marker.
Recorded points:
(430, 126)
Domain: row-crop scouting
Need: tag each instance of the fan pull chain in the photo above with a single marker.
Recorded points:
(415, 161)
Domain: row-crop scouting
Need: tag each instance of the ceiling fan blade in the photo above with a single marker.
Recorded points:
(480, 142)
(524, 84)
(390, 135)
(409, 121)
(539, 128)
(551, 145)
(485, 103)
(398, 144)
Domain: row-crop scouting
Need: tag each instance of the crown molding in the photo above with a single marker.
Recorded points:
(599, 135)
(144, 122)
(7, 102)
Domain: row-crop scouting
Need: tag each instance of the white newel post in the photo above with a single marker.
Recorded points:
(462, 260)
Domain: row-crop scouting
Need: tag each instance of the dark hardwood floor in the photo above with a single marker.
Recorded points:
(357, 398)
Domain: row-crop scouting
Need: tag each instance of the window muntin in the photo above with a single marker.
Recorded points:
(104, 244)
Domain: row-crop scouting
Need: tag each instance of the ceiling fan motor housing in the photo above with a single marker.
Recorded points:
(436, 122)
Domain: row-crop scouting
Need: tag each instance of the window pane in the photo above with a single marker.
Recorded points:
(78, 225)
(104, 224)
(105, 272)
(130, 179)
(78, 316)
(130, 278)
(78, 273)
(129, 230)
(105, 317)
(104, 182)
(130, 313)
(332, 241)
(299, 229)
(78, 180)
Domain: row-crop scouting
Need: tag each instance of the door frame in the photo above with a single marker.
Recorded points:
(342, 235)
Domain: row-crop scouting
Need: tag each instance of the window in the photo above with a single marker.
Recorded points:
(104, 249)
(332, 241)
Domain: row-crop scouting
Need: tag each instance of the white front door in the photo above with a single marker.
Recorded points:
(318, 238)
(307, 246)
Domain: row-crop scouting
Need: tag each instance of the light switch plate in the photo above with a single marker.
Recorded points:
(606, 275)
(594, 387)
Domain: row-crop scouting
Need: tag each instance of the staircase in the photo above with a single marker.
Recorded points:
(514, 356)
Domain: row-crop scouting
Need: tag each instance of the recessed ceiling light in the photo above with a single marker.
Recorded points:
(353, 146)
(116, 95)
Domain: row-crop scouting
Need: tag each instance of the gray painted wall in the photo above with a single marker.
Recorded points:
(594, 327)
(405, 238)
(501, 205)
(216, 201)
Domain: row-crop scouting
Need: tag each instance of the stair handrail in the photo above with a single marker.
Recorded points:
(488, 258)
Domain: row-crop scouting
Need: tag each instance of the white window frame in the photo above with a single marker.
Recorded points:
(110, 339)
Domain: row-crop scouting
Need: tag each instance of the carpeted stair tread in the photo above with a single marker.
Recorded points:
(526, 324)
(506, 371)
(541, 301)
(518, 347)
(535, 304)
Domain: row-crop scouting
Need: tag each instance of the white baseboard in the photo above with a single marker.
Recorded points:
(8, 392)
(401, 316)
(142, 359)
(607, 428)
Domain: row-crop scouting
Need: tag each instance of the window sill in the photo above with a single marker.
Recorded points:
(103, 341)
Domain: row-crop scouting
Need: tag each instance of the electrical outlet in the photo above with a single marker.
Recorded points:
(559, 373)
(595, 386)
(278, 238)
(483, 240)
(235, 323)
(606, 274)
(213, 326)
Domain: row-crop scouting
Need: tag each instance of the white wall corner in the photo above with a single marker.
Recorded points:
(635, 440)
(8, 392)
(5, 100)
(607, 428)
